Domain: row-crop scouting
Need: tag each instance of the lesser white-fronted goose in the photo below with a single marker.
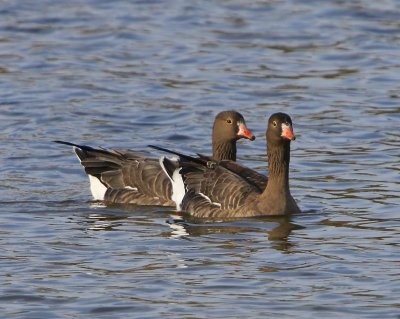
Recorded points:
(209, 189)
(123, 176)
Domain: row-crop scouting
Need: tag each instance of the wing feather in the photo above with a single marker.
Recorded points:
(219, 184)
(129, 176)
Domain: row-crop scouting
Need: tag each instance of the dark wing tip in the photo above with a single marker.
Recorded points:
(65, 143)
(182, 156)
(82, 147)
(80, 150)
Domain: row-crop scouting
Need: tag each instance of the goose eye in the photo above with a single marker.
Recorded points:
(274, 123)
(229, 121)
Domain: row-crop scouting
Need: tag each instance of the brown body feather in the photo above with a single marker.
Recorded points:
(227, 189)
(134, 179)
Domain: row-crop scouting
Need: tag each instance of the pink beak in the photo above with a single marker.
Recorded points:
(287, 132)
(245, 132)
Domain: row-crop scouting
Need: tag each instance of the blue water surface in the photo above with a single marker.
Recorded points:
(126, 74)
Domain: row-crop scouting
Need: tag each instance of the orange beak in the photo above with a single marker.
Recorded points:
(287, 132)
(245, 132)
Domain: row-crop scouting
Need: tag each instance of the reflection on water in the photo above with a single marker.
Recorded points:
(275, 228)
(99, 222)
(128, 74)
(185, 227)
(178, 227)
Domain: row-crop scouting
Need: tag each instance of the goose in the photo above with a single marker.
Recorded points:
(217, 189)
(126, 177)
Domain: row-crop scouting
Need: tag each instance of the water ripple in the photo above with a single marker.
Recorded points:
(124, 74)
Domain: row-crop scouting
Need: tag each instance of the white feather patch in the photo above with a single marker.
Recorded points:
(178, 187)
(97, 188)
(209, 200)
(131, 188)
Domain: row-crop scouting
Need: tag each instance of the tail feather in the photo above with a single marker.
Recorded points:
(97, 162)
(82, 151)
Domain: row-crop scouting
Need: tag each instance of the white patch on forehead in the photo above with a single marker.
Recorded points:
(287, 131)
(241, 127)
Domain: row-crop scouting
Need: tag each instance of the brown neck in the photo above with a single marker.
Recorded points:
(224, 150)
(278, 167)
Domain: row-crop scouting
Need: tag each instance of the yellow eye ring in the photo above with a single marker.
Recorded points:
(229, 121)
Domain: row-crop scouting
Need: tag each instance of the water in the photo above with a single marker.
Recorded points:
(125, 74)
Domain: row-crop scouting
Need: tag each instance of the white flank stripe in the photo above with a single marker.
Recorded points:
(97, 188)
(178, 187)
(209, 200)
(131, 188)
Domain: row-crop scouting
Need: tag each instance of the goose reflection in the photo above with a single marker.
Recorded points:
(112, 217)
(277, 229)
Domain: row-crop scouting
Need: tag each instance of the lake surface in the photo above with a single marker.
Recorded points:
(126, 74)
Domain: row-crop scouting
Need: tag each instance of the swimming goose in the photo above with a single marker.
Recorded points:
(210, 189)
(123, 176)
